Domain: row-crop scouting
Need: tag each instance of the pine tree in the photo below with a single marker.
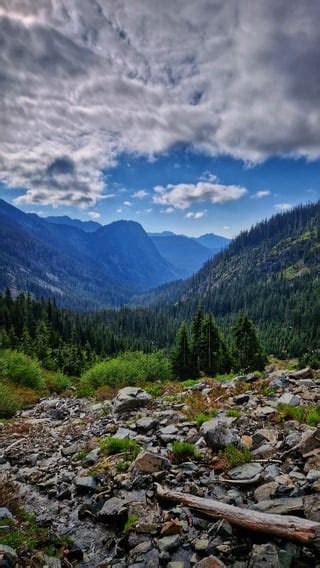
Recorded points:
(196, 339)
(211, 353)
(181, 357)
(247, 351)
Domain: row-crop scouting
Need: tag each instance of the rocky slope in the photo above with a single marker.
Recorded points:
(64, 475)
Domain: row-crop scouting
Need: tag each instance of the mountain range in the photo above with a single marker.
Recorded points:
(86, 265)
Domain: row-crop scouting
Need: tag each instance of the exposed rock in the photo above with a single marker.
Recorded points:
(114, 511)
(7, 553)
(169, 543)
(5, 513)
(285, 506)
(306, 373)
(146, 424)
(264, 556)
(290, 399)
(311, 505)
(85, 485)
(148, 462)
(210, 562)
(218, 433)
(130, 398)
(266, 491)
(245, 471)
(310, 441)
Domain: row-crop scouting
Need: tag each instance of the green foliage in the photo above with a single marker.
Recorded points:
(310, 359)
(309, 414)
(182, 451)
(205, 416)
(57, 382)
(113, 445)
(131, 523)
(235, 456)
(155, 390)
(247, 351)
(9, 402)
(20, 369)
(133, 368)
(122, 466)
(181, 356)
(233, 413)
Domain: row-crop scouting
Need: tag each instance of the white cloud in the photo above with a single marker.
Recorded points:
(226, 227)
(140, 194)
(127, 203)
(196, 215)
(94, 215)
(119, 210)
(83, 82)
(183, 195)
(167, 210)
(283, 206)
(208, 176)
(144, 211)
(260, 194)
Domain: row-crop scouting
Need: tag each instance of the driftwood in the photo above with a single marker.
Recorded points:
(282, 526)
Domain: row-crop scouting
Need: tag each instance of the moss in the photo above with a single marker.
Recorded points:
(235, 456)
(113, 445)
(181, 451)
(305, 414)
(205, 416)
(233, 413)
(131, 523)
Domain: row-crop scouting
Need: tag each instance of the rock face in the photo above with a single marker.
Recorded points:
(130, 398)
(107, 503)
(218, 433)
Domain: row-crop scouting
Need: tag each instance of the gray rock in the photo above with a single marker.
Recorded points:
(85, 485)
(241, 398)
(146, 424)
(8, 553)
(264, 556)
(218, 433)
(266, 491)
(169, 543)
(5, 513)
(148, 462)
(130, 398)
(210, 562)
(114, 510)
(245, 471)
(283, 506)
(92, 457)
(306, 373)
(290, 399)
(311, 504)
(176, 564)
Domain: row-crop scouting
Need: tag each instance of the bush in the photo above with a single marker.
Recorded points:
(235, 456)
(9, 403)
(134, 368)
(20, 369)
(125, 446)
(182, 451)
(205, 416)
(233, 413)
(58, 382)
(305, 414)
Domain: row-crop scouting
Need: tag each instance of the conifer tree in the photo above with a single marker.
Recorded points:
(211, 347)
(196, 339)
(181, 357)
(247, 351)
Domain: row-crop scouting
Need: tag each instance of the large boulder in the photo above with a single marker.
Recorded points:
(148, 462)
(130, 398)
(218, 433)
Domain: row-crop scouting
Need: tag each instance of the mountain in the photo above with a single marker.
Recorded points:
(212, 241)
(187, 254)
(272, 271)
(82, 270)
(87, 226)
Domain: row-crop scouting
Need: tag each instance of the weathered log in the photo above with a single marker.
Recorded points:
(282, 526)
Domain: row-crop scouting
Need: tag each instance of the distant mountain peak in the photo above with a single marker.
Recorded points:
(87, 226)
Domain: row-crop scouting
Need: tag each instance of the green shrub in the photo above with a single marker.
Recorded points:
(9, 403)
(20, 369)
(233, 413)
(58, 383)
(235, 456)
(131, 522)
(115, 445)
(182, 451)
(309, 414)
(132, 368)
(205, 416)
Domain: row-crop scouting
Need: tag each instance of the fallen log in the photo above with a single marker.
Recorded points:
(282, 526)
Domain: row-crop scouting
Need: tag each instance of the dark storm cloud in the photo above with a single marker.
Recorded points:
(84, 81)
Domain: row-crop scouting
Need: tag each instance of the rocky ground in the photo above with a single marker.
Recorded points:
(106, 505)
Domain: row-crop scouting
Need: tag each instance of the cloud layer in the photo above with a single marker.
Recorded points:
(183, 195)
(82, 82)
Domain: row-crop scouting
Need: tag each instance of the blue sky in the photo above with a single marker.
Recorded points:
(283, 183)
(113, 110)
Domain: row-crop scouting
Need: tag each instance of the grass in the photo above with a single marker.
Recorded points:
(131, 523)
(205, 416)
(305, 414)
(20, 369)
(233, 413)
(182, 451)
(235, 456)
(122, 466)
(112, 446)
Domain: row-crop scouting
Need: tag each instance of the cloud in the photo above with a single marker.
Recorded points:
(183, 195)
(260, 194)
(119, 210)
(127, 203)
(196, 215)
(94, 215)
(167, 210)
(283, 206)
(140, 194)
(84, 82)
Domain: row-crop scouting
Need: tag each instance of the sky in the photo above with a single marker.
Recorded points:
(187, 116)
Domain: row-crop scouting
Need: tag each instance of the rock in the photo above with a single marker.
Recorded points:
(8, 553)
(69, 450)
(114, 512)
(176, 564)
(201, 544)
(148, 462)
(310, 441)
(169, 543)
(241, 398)
(264, 556)
(130, 398)
(5, 513)
(311, 505)
(282, 506)
(306, 373)
(265, 435)
(290, 399)
(266, 491)
(75, 553)
(210, 562)
(218, 433)
(168, 433)
(245, 471)
(92, 457)
(146, 424)
(85, 485)
(265, 411)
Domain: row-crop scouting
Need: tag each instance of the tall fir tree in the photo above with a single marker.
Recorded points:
(247, 350)
(211, 353)
(181, 357)
(196, 327)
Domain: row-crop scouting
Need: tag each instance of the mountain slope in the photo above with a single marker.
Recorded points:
(213, 241)
(83, 270)
(185, 254)
(87, 226)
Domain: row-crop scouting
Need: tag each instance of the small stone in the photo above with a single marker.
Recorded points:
(85, 485)
(8, 553)
(168, 543)
(69, 450)
(5, 513)
(245, 471)
(146, 424)
(265, 411)
(241, 398)
(130, 398)
(311, 504)
(92, 457)
(282, 506)
(218, 433)
(264, 556)
(210, 562)
(290, 399)
(306, 373)
(266, 491)
(201, 544)
(176, 564)
(114, 511)
(148, 462)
